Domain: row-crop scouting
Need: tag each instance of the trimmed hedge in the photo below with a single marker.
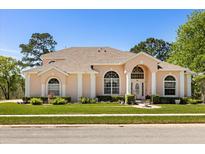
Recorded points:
(171, 100)
(67, 99)
(109, 98)
(87, 100)
(130, 99)
(164, 100)
(58, 101)
(44, 99)
(36, 101)
(187, 100)
(104, 98)
(118, 98)
(27, 99)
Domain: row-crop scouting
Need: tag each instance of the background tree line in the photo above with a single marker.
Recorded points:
(187, 51)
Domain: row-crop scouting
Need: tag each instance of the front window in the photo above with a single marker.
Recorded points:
(111, 83)
(54, 87)
(170, 86)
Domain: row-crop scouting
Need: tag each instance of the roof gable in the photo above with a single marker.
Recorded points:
(145, 54)
(52, 68)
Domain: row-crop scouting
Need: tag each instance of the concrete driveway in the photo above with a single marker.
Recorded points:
(11, 101)
(159, 133)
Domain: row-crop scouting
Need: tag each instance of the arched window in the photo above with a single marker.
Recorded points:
(111, 83)
(170, 86)
(137, 73)
(54, 87)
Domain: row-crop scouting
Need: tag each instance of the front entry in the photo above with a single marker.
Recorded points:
(137, 87)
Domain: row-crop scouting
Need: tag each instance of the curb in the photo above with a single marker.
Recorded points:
(101, 125)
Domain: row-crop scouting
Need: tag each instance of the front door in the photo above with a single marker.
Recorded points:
(138, 89)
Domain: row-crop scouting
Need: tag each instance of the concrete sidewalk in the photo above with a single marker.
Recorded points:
(105, 115)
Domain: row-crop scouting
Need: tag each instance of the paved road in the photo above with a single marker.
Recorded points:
(187, 133)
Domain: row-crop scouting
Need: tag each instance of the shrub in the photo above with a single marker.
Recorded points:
(87, 100)
(118, 98)
(164, 100)
(27, 99)
(84, 100)
(67, 99)
(109, 98)
(36, 101)
(45, 99)
(130, 99)
(93, 100)
(58, 101)
(184, 100)
(148, 97)
(155, 99)
(193, 101)
(104, 98)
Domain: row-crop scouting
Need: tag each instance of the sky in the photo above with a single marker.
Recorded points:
(121, 29)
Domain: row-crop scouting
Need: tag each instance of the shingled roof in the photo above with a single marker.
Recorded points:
(80, 59)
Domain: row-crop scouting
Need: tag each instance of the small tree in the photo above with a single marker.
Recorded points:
(9, 76)
(200, 81)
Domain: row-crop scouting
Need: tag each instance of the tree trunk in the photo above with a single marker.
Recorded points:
(8, 94)
(203, 97)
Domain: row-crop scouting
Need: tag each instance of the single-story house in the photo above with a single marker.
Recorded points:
(94, 71)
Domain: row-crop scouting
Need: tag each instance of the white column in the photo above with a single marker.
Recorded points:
(188, 85)
(154, 83)
(92, 85)
(181, 78)
(63, 90)
(43, 90)
(27, 85)
(128, 83)
(80, 85)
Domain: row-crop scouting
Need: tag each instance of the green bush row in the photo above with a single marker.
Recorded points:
(26, 100)
(54, 101)
(87, 100)
(171, 100)
(108, 98)
(187, 100)
(164, 100)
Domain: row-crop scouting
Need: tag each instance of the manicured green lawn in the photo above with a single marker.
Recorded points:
(109, 108)
(100, 120)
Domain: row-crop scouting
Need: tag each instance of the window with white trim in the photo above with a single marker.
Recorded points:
(54, 87)
(111, 83)
(170, 86)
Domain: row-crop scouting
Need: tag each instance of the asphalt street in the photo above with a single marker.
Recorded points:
(105, 134)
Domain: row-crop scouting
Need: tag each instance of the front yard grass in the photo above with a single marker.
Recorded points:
(101, 120)
(100, 108)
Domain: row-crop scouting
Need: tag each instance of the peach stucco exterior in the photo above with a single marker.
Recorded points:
(91, 84)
